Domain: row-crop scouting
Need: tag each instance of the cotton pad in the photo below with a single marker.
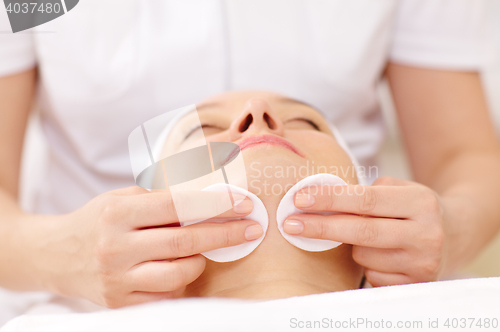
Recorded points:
(287, 208)
(258, 214)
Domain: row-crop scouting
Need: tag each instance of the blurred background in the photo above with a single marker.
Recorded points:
(392, 161)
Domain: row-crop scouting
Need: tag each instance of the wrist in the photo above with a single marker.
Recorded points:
(36, 250)
(457, 215)
(16, 268)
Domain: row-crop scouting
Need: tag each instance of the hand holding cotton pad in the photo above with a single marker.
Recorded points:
(287, 208)
(258, 214)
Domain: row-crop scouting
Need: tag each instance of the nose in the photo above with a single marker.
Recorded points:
(256, 117)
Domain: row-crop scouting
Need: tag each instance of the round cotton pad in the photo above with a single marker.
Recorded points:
(258, 214)
(287, 208)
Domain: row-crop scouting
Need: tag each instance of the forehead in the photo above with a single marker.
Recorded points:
(233, 102)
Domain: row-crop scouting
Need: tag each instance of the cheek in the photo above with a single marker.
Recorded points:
(315, 145)
(192, 143)
(219, 137)
(325, 155)
(202, 139)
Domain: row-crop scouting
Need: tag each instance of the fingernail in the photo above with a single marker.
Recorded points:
(253, 232)
(244, 207)
(304, 200)
(293, 227)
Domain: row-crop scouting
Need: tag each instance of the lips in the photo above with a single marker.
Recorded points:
(268, 139)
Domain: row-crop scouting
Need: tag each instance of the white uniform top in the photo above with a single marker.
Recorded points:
(109, 65)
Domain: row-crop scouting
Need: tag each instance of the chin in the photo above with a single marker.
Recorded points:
(273, 176)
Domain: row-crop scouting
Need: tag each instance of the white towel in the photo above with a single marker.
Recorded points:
(425, 303)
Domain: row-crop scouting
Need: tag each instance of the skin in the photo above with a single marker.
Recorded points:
(461, 178)
(276, 269)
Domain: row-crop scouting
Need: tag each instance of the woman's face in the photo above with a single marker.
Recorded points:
(281, 140)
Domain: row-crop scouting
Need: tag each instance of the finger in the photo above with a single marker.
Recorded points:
(390, 181)
(160, 208)
(380, 201)
(381, 259)
(164, 243)
(241, 208)
(196, 205)
(352, 229)
(377, 279)
(165, 276)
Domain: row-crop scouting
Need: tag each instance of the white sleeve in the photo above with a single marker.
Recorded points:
(446, 34)
(16, 49)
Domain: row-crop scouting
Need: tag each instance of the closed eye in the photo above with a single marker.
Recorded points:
(304, 121)
(204, 127)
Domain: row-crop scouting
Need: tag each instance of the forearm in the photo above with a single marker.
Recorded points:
(21, 237)
(16, 228)
(452, 148)
(469, 185)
